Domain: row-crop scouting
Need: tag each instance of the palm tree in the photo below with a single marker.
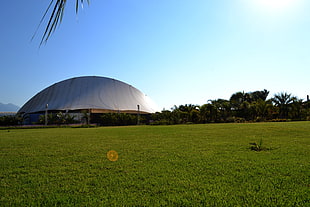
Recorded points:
(262, 108)
(57, 8)
(222, 109)
(282, 100)
(237, 99)
(188, 113)
(260, 95)
(208, 112)
(297, 109)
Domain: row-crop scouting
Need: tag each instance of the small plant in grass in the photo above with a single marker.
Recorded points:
(257, 146)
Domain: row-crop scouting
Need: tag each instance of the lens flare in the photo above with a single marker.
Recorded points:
(112, 155)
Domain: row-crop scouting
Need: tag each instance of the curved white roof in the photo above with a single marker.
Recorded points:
(90, 92)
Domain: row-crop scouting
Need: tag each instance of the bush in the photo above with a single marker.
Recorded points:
(237, 120)
(160, 122)
(279, 120)
(58, 119)
(9, 120)
(117, 119)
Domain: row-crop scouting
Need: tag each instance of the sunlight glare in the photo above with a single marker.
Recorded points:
(276, 7)
(275, 4)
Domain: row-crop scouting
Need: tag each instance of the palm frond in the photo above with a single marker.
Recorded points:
(57, 7)
(77, 4)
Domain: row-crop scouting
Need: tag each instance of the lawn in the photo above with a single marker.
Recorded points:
(182, 165)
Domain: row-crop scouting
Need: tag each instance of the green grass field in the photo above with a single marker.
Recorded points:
(183, 165)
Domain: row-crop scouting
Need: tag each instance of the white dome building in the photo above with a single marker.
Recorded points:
(92, 93)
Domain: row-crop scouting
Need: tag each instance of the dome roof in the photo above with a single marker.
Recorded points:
(90, 92)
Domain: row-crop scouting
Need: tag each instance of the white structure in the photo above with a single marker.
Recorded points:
(92, 93)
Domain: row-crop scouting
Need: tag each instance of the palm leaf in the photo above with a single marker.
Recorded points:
(57, 7)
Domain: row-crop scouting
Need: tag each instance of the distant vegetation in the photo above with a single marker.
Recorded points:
(241, 107)
(10, 120)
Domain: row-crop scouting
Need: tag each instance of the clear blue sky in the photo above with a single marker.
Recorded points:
(175, 51)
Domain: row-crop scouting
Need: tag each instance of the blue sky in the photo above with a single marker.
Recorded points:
(175, 51)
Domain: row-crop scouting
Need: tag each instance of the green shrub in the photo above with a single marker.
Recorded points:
(257, 146)
(9, 120)
(117, 119)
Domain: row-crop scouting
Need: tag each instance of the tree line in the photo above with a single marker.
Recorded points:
(241, 107)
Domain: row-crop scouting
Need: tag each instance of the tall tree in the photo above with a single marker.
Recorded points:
(223, 109)
(237, 99)
(188, 113)
(239, 104)
(208, 113)
(297, 109)
(282, 100)
(260, 95)
(262, 109)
